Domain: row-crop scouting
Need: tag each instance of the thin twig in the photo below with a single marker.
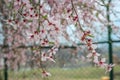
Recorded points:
(77, 15)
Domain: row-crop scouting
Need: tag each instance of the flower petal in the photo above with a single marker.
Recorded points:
(89, 55)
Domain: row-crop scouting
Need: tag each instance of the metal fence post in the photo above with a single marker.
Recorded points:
(5, 69)
(110, 39)
(110, 52)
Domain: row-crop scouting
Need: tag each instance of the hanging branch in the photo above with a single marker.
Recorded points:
(73, 7)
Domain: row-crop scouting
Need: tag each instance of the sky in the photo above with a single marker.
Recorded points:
(1, 36)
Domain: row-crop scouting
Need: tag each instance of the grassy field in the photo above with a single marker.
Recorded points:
(84, 73)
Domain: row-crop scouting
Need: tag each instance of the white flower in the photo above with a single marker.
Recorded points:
(45, 74)
(93, 54)
(96, 60)
(94, 46)
(108, 67)
(101, 63)
(53, 50)
(44, 42)
(50, 58)
(43, 57)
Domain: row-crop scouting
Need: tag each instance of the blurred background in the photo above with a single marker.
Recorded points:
(71, 63)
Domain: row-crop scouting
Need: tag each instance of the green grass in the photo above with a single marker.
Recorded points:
(87, 73)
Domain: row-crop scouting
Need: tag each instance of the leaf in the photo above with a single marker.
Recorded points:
(91, 35)
(30, 20)
(10, 5)
(34, 48)
(51, 42)
(76, 25)
(30, 1)
(97, 14)
(45, 16)
(38, 30)
(62, 21)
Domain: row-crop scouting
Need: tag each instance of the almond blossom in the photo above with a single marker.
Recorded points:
(44, 42)
(108, 67)
(93, 54)
(45, 57)
(45, 74)
(50, 58)
(101, 63)
(53, 50)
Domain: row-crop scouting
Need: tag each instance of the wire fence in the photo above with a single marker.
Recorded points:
(69, 66)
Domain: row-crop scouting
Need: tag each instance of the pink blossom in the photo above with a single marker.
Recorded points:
(108, 67)
(45, 22)
(44, 42)
(101, 62)
(50, 58)
(53, 50)
(93, 54)
(45, 74)
(44, 57)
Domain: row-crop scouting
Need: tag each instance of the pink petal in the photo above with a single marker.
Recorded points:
(103, 59)
(51, 59)
(97, 54)
(89, 55)
(94, 46)
(95, 60)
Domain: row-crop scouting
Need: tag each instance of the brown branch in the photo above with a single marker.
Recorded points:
(77, 15)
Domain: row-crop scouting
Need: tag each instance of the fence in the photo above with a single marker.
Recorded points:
(64, 70)
(69, 66)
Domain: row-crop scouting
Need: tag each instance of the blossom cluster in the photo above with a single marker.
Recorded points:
(44, 22)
